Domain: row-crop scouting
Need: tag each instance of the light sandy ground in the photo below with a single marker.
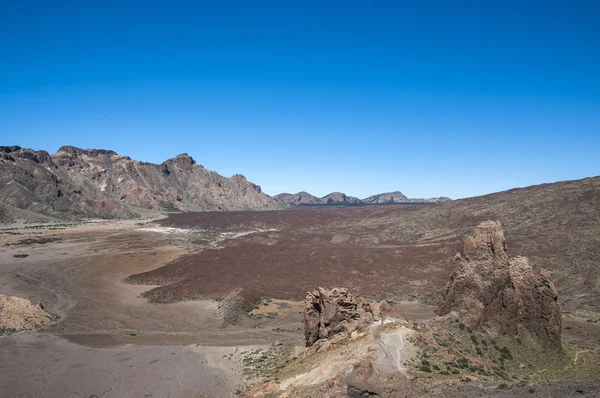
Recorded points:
(44, 365)
(388, 351)
(109, 342)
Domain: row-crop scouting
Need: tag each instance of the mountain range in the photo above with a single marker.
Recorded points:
(77, 183)
(397, 197)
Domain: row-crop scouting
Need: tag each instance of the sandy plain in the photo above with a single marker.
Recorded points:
(110, 342)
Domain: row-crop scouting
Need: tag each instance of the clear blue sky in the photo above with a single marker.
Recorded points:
(360, 97)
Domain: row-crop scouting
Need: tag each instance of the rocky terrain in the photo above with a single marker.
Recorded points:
(239, 320)
(339, 198)
(354, 350)
(75, 183)
(332, 315)
(391, 251)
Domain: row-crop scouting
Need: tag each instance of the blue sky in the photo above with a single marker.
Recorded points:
(360, 97)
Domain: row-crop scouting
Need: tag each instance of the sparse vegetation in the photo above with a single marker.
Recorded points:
(509, 360)
(34, 241)
(7, 331)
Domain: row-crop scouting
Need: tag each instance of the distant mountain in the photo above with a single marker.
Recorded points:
(74, 182)
(399, 197)
(304, 198)
(389, 197)
(341, 198)
(300, 198)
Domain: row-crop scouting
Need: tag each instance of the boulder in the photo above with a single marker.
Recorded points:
(500, 295)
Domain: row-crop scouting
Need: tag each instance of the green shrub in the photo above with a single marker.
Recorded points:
(506, 353)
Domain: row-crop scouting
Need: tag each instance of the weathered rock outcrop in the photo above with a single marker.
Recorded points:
(18, 314)
(336, 313)
(500, 295)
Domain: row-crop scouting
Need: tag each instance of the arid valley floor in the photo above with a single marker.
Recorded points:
(211, 304)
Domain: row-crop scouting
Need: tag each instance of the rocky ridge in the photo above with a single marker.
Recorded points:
(339, 197)
(300, 198)
(399, 197)
(496, 294)
(77, 182)
(304, 198)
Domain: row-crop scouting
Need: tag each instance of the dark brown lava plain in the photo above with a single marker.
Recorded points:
(389, 251)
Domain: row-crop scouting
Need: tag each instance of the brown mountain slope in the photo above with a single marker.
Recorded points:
(400, 251)
(99, 183)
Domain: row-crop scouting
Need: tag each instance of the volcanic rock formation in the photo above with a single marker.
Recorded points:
(78, 182)
(335, 314)
(500, 295)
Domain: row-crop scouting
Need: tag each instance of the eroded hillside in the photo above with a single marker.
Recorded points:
(78, 182)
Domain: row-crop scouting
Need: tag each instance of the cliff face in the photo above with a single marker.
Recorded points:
(500, 295)
(78, 182)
